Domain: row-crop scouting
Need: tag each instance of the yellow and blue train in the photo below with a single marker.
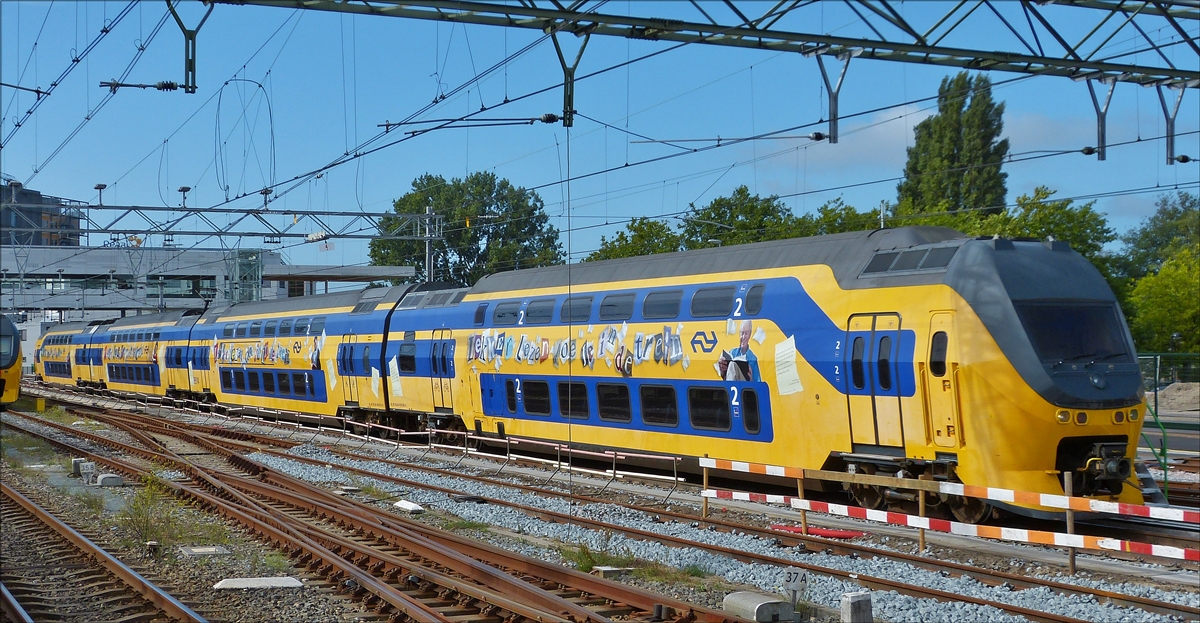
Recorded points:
(10, 362)
(916, 351)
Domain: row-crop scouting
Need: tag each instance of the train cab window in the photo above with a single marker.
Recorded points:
(617, 307)
(480, 313)
(613, 400)
(318, 326)
(577, 309)
(300, 383)
(226, 380)
(241, 329)
(253, 377)
(662, 305)
(937, 353)
(285, 387)
(269, 329)
(857, 373)
(713, 302)
(754, 299)
(256, 328)
(285, 327)
(708, 408)
(883, 358)
(301, 327)
(510, 395)
(225, 332)
(506, 314)
(659, 405)
(537, 397)
(268, 382)
(750, 419)
(540, 311)
(408, 357)
(573, 400)
(239, 380)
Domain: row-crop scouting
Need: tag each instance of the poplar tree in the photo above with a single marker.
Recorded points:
(955, 160)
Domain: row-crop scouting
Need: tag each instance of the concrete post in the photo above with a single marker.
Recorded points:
(856, 607)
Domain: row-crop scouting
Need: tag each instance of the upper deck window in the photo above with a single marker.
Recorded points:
(617, 307)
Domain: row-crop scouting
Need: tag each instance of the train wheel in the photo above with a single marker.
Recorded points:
(868, 496)
(969, 510)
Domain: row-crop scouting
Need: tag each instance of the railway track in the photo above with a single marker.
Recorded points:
(247, 442)
(51, 572)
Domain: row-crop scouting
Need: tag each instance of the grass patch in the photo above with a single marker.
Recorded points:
(463, 524)
(584, 559)
(656, 572)
(148, 515)
(276, 562)
(90, 500)
(60, 415)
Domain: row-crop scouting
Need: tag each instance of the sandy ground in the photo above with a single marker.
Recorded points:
(1179, 397)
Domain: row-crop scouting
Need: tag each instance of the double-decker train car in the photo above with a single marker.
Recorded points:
(914, 351)
(10, 362)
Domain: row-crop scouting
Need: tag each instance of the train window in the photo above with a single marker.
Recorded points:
(880, 263)
(241, 329)
(366, 358)
(285, 387)
(939, 258)
(708, 408)
(299, 383)
(856, 363)
(576, 309)
(253, 376)
(909, 260)
(573, 400)
(317, 326)
(617, 307)
(613, 400)
(225, 332)
(179, 357)
(662, 304)
(269, 329)
(750, 411)
(226, 380)
(256, 328)
(312, 387)
(141, 336)
(301, 327)
(157, 334)
(537, 397)
(268, 382)
(480, 313)
(433, 361)
(659, 406)
(540, 311)
(713, 302)
(285, 327)
(883, 359)
(239, 380)
(1074, 333)
(445, 353)
(408, 357)
(510, 395)
(507, 313)
(937, 353)
(754, 299)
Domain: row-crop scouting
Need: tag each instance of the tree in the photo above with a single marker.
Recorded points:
(490, 226)
(835, 217)
(1176, 224)
(737, 219)
(642, 236)
(1035, 216)
(954, 162)
(1167, 303)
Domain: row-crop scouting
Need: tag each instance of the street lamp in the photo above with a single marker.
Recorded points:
(713, 241)
(100, 188)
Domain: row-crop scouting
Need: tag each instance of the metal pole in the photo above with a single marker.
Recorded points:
(1068, 486)
(428, 243)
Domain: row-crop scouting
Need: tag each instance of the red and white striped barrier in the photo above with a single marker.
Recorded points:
(953, 527)
(994, 494)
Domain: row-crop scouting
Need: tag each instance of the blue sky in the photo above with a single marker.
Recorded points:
(328, 80)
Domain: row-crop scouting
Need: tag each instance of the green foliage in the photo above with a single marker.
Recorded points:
(834, 217)
(464, 524)
(147, 515)
(490, 226)
(1175, 225)
(584, 559)
(955, 160)
(1167, 303)
(655, 572)
(642, 236)
(737, 219)
(91, 500)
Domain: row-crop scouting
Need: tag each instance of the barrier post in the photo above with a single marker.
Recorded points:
(921, 531)
(704, 500)
(803, 513)
(1068, 485)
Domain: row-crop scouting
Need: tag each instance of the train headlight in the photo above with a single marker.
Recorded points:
(1119, 417)
(1063, 417)
(1133, 415)
(1081, 418)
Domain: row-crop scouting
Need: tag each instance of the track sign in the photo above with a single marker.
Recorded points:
(795, 579)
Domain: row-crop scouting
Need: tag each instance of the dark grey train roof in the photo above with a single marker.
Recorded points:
(305, 304)
(846, 254)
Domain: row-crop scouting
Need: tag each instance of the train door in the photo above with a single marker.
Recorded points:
(441, 362)
(873, 393)
(940, 382)
(345, 369)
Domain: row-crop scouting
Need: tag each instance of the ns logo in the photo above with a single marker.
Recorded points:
(702, 341)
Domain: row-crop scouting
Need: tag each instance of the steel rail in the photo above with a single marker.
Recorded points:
(12, 608)
(161, 599)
